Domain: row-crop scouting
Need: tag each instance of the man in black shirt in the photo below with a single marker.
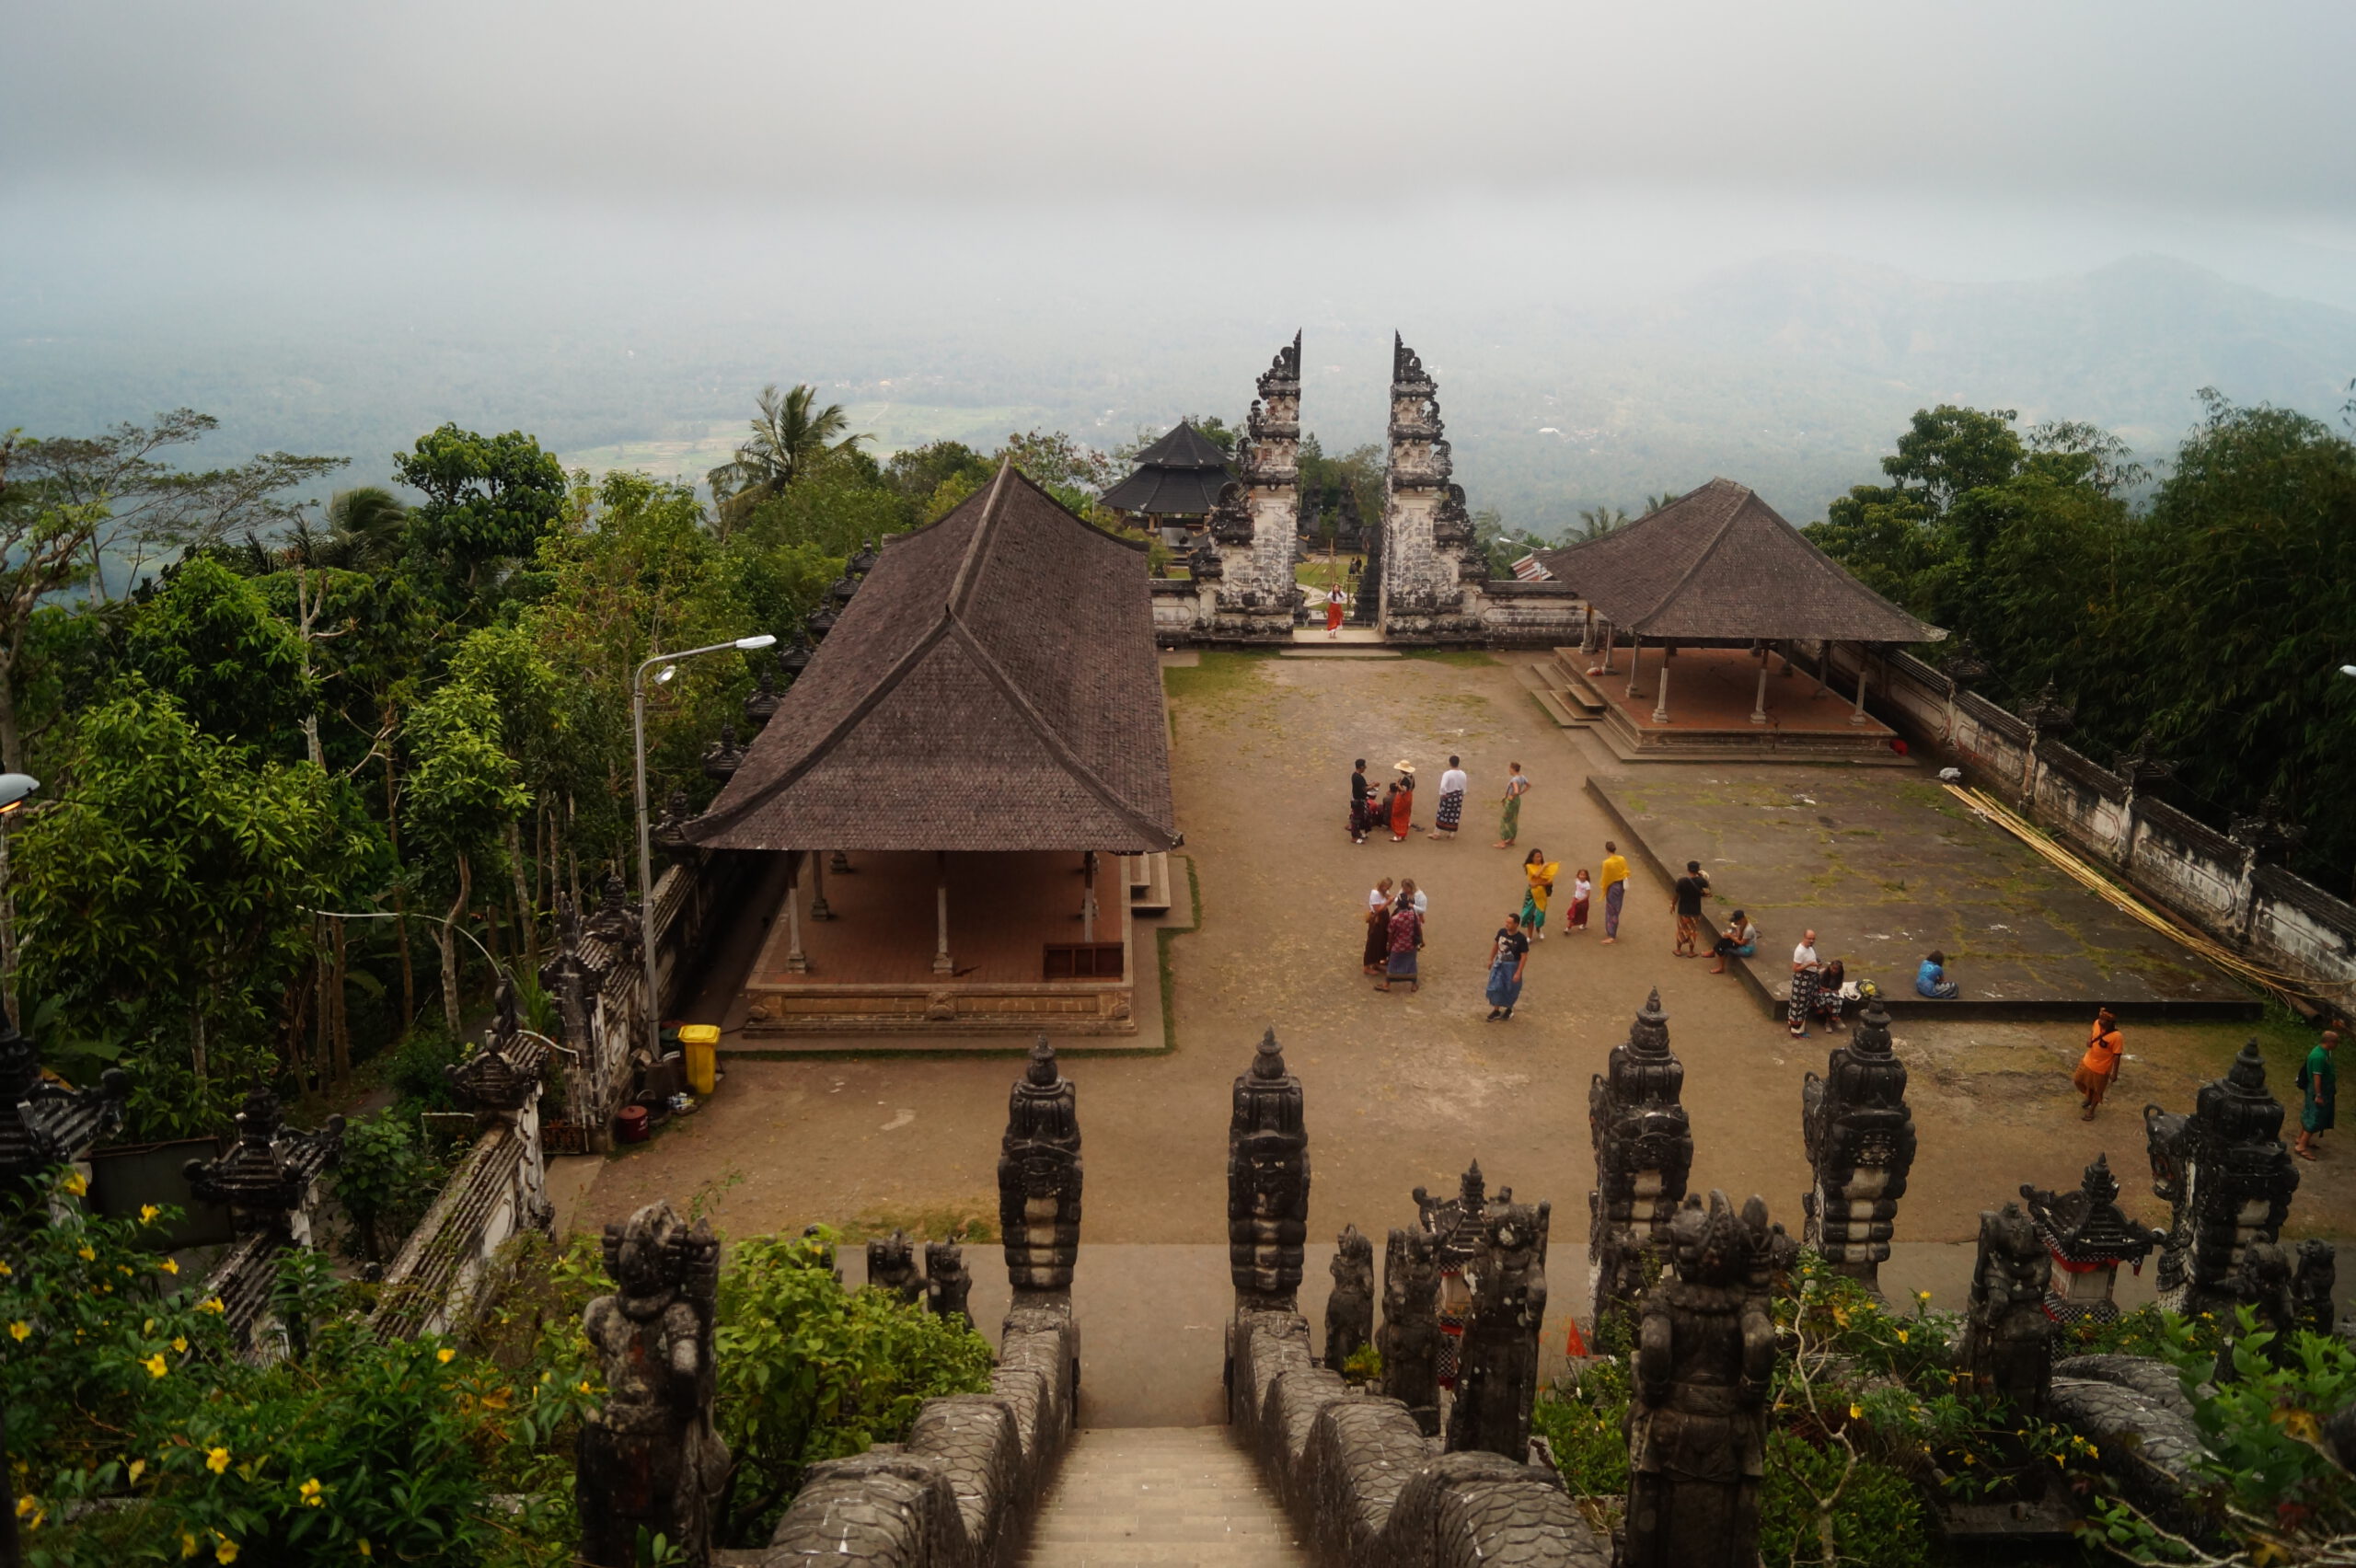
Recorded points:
(1687, 899)
(1359, 790)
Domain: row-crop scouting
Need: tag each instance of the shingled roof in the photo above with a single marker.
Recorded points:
(1178, 476)
(993, 684)
(1719, 562)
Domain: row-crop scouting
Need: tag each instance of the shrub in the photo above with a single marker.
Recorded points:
(385, 1181)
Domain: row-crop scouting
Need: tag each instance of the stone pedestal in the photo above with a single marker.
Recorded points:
(1860, 1139)
(2228, 1179)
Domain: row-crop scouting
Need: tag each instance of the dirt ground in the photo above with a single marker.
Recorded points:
(1402, 1091)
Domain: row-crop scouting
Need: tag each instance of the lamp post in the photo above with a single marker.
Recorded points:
(15, 789)
(670, 663)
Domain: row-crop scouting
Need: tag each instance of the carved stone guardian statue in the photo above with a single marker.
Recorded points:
(1039, 1177)
(649, 1458)
(1349, 1310)
(892, 1265)
(1643, 1152)
(946, 1282)
(1860, 1138)
(1410, 1337)
(1497, 1379)
(1267, 1181)
(2008, 1338)
(1697, 1427)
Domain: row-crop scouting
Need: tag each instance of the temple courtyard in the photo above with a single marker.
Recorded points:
(1404, 1090)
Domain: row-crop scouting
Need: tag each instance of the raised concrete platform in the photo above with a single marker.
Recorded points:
(1712, 694)
(1885, 868)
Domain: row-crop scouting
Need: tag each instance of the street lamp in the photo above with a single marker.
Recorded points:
(670, 663)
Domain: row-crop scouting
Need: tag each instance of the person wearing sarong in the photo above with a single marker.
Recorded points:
(1685, 901)
(1451, 800)
(1361, 802)
(1613, 880)
(1334, 600)
(1802, 1002)
(2319, 1085)
(1542, 873)
(1402, 804)
(2098, 1069)
(1932, 981)
(1378, 927)
(1739, 939)
(1582, 894)
(1406, 940)
(1509, 823)
(1508, 959)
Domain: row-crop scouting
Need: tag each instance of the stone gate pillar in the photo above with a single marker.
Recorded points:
(1431, 572)
(1255, 523)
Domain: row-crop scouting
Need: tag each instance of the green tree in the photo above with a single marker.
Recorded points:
(166, 895)
(212, 642)
(464, 791)
(917, 472)
(488, 498)
(789, 435)
(365, 530)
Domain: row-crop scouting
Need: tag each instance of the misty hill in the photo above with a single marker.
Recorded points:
(1792, 373)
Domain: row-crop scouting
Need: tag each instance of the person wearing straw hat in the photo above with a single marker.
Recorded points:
(2100, 1068)
(1402, 804)
(2319, 1087)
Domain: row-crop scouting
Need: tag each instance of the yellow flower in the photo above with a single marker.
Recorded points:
(149, 1327)
(444, 1354)
(1922, 1295)
(216, 1460)
(138, 1469)
(179, 1344)
(5, 1271)
(169, 1265)
(226, 1551)
(84, 1254)
(211, 1304)
(76, 1183)
(188, 1544)
(147, 1213)
(21, 1331)
(365, 1549)
(310, 1492)
(1856, 1413)
(26, 1504)
(1902, 1336)
(155, 1366)
(584, 1384)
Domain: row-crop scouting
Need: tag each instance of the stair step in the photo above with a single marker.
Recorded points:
(1130, 1497)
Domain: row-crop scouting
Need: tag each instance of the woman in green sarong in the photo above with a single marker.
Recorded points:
(1510, 825)
(2319, 1082)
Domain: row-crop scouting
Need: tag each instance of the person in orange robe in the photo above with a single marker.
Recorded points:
(2099, 1069)
(1403, 804)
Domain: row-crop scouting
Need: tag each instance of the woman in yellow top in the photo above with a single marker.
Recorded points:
(1613, 881)
(2099, 1068)
(1542, 873)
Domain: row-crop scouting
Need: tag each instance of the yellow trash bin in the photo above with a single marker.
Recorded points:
(700, 1042)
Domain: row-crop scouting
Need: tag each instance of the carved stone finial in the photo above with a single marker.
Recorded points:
(1860, 1138)
(1268, 1180)
(2047, 711)
(44, 1123)
(1039, 1176)
(946, 1282)
(650, 1460)
(1643, 1153)
(670, 832)
(1350, 1309)
(615, 922)
(2226, 1176)
(264, 1179)
(2089, 1235)
(761, 702)
(723, 756)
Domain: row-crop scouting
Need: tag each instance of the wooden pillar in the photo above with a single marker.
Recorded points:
(1660, 684)
(1857, 714)
(819, 908)
(1611, 636)
(1759, 703)
(1635, 664)
(1088, 897)
(941, 962)
(1787, 656)
(796, 960)
(1587, 629)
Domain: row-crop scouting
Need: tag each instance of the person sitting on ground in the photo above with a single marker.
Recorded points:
(1830, 1003)
(1932, 980)
(1739, 939)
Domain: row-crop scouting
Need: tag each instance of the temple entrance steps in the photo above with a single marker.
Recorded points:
(1559, 683)
(1128, 1496)
(1343, 635)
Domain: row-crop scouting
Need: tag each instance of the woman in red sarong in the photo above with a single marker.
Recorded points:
(1402, 804)
(1333, 601)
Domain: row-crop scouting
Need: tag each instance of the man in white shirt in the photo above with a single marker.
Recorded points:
(1805, 969)
(1451, 800)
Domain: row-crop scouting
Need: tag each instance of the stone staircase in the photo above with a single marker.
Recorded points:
(1559, 681)
(1136, 1495)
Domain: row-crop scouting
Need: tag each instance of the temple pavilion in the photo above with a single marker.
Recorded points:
(1175, 485)
(952, 783)
(1689, 608)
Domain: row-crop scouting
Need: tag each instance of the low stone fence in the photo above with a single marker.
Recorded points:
(961, 1492)
(436, 1280)
(2211, 880)
(1358, 1475)
(1515, 613)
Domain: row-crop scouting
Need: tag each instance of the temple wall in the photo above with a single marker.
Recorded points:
(498, 1189)
(961, 1491)
(1358, 1476)
(2201, 875)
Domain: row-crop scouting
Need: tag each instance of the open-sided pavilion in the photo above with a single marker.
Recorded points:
(983, 730)
(1713, 585)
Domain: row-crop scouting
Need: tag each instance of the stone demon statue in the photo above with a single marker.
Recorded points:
(650, 1458)
(946, 1282)
(1697, 1428)
(1039, 1176)
(1349, 1310)
(2008, 1337)
(1497, 1364)
(1410, 1336)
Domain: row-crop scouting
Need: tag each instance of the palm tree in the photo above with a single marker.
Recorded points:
(1598, 521)
(363, 533)
(789, 436)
